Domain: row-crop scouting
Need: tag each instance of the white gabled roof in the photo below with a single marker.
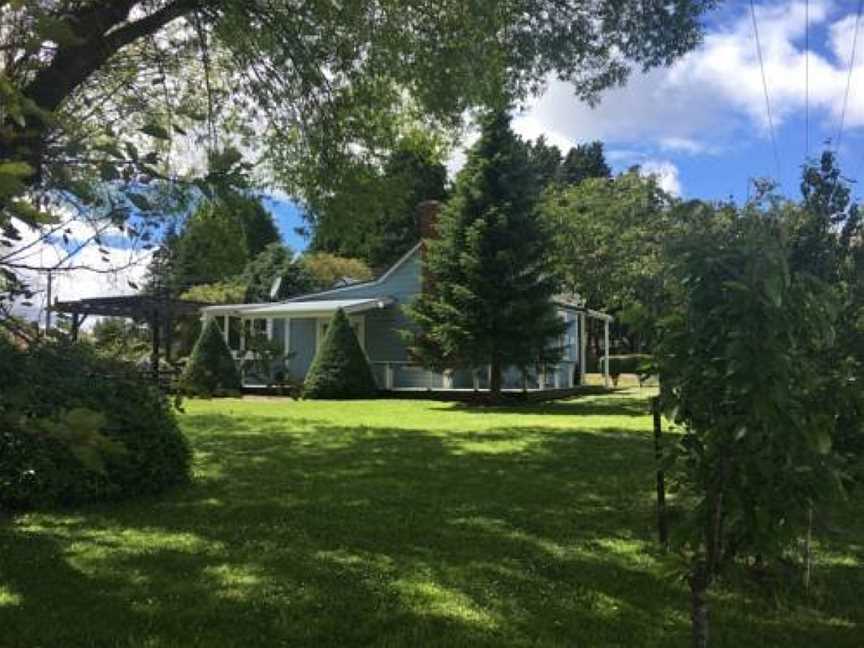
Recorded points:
(307, 308)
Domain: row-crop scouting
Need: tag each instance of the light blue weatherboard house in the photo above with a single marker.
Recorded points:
(374, 309)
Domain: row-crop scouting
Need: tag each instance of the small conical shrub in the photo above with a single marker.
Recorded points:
(211, 370)
(340, 368)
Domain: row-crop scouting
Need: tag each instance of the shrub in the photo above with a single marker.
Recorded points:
(633, 363)
(340, 368)
(75, 427)
(627, 364)
(211, 371)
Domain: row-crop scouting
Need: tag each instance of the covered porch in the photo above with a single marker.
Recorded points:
(297, 327)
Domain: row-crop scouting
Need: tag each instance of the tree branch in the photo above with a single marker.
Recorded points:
(74, 64)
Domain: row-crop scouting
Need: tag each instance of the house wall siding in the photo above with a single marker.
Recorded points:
(383, 342)
(303, 331)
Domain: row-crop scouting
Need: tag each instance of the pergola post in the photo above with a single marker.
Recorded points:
(76, 326)
(169, 336)
(154, 354)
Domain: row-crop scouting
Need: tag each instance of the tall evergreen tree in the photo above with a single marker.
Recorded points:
(276, 261)
(584, 161)
(491, 285)
(546, 159)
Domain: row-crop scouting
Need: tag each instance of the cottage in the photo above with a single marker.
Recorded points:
(375, 311)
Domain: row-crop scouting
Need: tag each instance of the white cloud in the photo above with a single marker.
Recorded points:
(86, 274)
(706, 101)
(665, 172)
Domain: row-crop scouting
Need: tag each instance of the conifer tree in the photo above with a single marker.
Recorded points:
(340, 368)
(583, 162)
(211, 370)
(489, 297)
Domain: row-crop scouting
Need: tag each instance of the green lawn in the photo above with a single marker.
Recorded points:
(399, 523)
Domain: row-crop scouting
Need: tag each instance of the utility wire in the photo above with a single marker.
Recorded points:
(849, 75)
(765, 88)
(806, 79)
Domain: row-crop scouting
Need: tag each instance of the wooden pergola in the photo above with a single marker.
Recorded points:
(159, 312)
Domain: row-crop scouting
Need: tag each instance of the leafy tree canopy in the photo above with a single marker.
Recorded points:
(220, 292)
(748, 369)
(372, 215)
(215, 243)
(276, 261)
(103, 101)
(608, 237)
(583, 162)
(328, 269)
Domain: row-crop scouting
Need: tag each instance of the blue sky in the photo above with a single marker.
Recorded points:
(702, 123)
(288, 217)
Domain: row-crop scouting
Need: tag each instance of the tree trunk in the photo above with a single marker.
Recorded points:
(699, 580)
(662, 523)
(495, 379)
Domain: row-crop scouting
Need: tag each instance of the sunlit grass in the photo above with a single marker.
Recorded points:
(400, 523)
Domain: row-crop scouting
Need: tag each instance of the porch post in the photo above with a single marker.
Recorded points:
(583, 348)
(606, 353)
(448, 379)
(225, 320)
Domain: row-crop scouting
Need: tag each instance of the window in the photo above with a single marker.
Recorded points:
(253, 328)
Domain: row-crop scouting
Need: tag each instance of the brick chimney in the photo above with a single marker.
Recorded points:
(427, 225)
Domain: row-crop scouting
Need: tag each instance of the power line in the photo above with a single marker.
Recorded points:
(765, 88)
(849, 75)
(806, 79)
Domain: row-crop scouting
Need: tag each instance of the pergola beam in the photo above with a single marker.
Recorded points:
(156, 310)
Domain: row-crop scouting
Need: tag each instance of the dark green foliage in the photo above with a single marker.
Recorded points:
(211, 371)
(583, 162)
(746, 371)
(259, 228)
(216, 242)
(75, 427)
(546, 159)
(627, 364)
(608, 238)
(275, 261)
(340, 369)
(490, 302)
(827, 241)
(371, 215)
